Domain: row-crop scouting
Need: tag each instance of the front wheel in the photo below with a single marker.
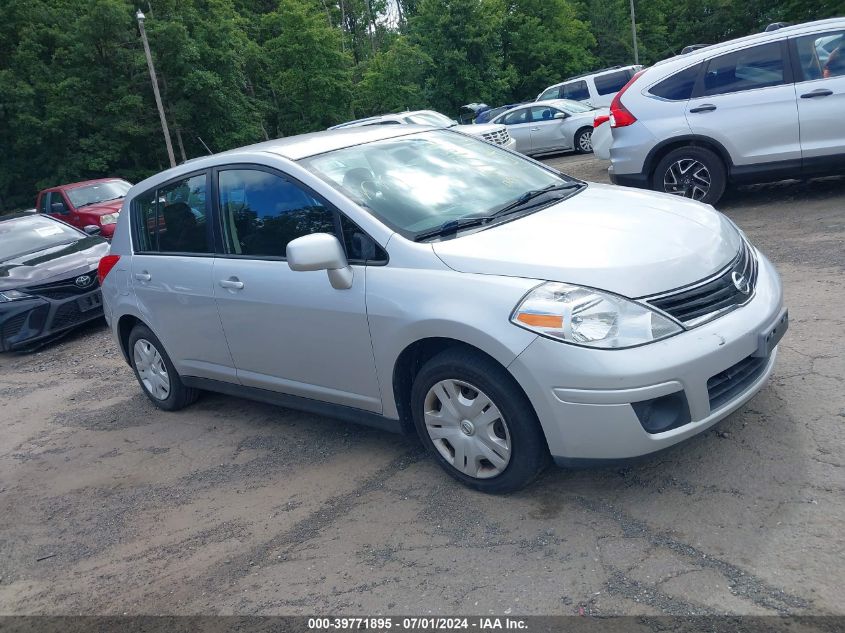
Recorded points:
(481, 428)
(691, 172)
(584, 140)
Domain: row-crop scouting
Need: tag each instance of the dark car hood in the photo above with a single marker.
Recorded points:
(102, 208)
(52, 263)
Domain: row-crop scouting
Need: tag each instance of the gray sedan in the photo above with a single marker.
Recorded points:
(551, 126)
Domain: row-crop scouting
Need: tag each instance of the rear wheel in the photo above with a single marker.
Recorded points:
(691, 172)
(155, 371)
(479, 425)
(584, 140)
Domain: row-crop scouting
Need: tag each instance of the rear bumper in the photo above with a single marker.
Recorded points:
(583, 397)
(29, 323)
(639, 181)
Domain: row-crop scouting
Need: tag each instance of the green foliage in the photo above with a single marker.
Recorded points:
(76, 100)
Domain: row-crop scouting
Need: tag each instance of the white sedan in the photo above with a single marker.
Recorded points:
(551, 126)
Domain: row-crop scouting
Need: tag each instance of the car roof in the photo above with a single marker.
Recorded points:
(755, 38)
(84, 183)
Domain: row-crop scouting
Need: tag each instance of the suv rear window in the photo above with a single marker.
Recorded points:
(748, 69)
(611, 82)
(677, 87)
(577, 91)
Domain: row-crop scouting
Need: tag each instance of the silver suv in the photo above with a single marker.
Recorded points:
(764, 107)
(391, 275)
(596, 88)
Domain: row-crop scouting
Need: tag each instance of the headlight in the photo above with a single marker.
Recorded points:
(592, 318)
(108, 218)
(13, 295)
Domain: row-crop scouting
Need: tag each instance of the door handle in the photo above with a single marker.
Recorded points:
(144, 276)
(821, 92)
(707, 107)
(535, 129)
(233, 283)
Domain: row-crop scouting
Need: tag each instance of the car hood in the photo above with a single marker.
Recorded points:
(52, 263)
(477, 129)
(630, 242)
(102, 208)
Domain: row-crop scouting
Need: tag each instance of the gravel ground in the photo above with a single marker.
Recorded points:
(108, 506)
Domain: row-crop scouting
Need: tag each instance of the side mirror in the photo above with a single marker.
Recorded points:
(57, 207)
(91, 229)
(561, 115)
(321, 251)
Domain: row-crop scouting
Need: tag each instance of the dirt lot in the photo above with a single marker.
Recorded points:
(237, 507)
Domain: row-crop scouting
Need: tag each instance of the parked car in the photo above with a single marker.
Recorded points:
(488, 115)
(92, 203)
(763, 107)
(496, 134)
(551, 126)
(602, 137)
(420, 280)
(597, 88)
(48, 279)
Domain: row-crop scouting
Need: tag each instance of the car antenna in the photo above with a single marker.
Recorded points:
(210, 153)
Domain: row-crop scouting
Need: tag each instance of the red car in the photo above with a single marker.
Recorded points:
(85, 204)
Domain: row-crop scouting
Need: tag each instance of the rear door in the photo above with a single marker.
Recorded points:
(576, 90)
(608, 84)
(745, 100)
(172, 267)
(819, 61)
(518, 123)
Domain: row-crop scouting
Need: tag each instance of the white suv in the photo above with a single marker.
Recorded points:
(597, 88)
(764, 107)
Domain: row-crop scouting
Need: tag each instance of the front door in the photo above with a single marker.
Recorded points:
(547, 131)
(745, 100)
(172, 277)
(820, 89)
(288, 331)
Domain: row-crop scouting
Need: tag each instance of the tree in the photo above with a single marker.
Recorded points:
(393, 80)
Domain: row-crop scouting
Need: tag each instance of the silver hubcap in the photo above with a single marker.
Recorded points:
(467, 429)
(151, 369)
(687, 177)
(586, 142)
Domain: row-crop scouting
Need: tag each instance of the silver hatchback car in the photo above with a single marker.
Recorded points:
(427, 282)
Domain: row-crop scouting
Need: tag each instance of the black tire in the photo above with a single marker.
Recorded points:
(529, 453)
(579, 138)
(179, 395)
(713, 164)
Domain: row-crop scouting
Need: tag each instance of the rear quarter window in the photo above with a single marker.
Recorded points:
(677, 87)
(611, 82)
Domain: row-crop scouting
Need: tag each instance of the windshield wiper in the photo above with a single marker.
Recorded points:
(452, 226)
(519, 203)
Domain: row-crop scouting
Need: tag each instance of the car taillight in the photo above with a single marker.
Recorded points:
(105, 266)
(620, 116)
(601, 118)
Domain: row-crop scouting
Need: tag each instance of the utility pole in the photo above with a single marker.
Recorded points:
(140, 16)
(634, 33)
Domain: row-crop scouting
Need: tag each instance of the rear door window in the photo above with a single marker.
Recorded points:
(611, 82)
(174, 218)
(576, 90)
(677, 87)
(751, 68)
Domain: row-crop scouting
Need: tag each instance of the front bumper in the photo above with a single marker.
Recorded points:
(583, 396)
(29, 323)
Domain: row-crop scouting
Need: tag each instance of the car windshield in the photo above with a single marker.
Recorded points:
(430, 118)
(418, 182)
(574, 107)
(20, 236)
(100, 192)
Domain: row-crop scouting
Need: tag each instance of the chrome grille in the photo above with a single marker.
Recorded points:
(499, 137)
(714, 296)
